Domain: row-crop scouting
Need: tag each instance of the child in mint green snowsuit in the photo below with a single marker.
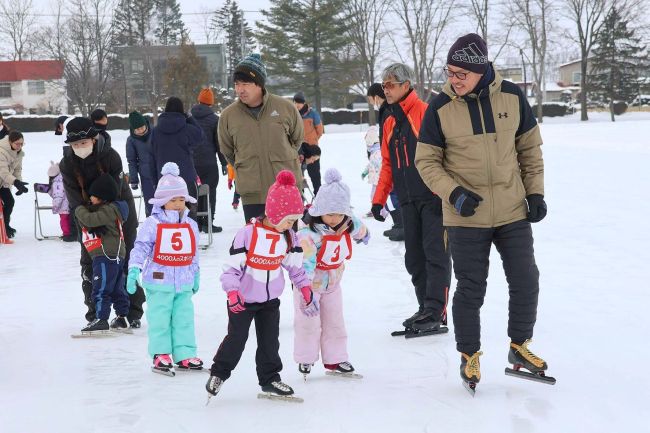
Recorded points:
(164, 256)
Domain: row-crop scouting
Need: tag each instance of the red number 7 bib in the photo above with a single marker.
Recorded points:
(175, 245)
(267, 249)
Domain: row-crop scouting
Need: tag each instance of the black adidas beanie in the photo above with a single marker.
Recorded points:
(104, 187)
(469, 52)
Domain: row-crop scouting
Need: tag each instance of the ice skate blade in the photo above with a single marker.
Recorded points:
(94, 334)
(413, 333)
(122, 331)
(470, 387)
(164, 371)
(192, 370)
(271, 396)
(350, 375)
(530, 376)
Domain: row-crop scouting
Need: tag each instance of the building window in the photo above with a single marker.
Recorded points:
(576, 77)
(36, 87)
(137, 65)
(5, 90)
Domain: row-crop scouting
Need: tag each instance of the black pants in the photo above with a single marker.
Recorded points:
(314, 174)
(137, 299)
(427, 255)
(253, 211)
(7, 204)
(470, 249)
(267, 328)
(209, 174)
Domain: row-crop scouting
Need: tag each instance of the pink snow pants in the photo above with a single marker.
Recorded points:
(324, 333)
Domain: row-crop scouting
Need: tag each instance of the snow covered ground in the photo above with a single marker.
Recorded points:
(592, 251)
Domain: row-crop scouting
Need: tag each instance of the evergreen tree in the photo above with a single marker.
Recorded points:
(305, 46)
(238, 34)
(618, 59)
(170, 29)
(186, 74)
(123, 25)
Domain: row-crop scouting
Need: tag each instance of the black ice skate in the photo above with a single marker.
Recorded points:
(342, 369)
(421, 324)
(120, 324)
(279, 391)
(135, 323)
(305, 369)
(521, 357)
(96, 328)
(470, 371)
(213, 386)
(162, 364)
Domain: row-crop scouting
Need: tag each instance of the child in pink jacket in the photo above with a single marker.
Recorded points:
(254, 280)
(326, 244)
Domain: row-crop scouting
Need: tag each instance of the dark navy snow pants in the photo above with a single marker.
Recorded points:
(109, 288)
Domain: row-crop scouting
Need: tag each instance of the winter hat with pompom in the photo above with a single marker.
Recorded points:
(283, 200)
(54, 170)
(333, 197)
(170, 185)
(372, 136)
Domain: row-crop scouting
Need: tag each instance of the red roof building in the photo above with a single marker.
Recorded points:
(33, 86)
(31, 70)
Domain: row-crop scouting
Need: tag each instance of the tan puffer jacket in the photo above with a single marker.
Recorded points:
(11, 164)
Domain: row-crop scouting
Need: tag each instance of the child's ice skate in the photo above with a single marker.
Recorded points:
(342, 369)
(163, 364)
(470, 371)
(120, 324)
(190, 364)
(96, 328)
(279, 391)
(213, 386)
(305, 369)
(521, 357)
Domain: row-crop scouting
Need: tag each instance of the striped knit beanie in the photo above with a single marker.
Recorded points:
(251, 69)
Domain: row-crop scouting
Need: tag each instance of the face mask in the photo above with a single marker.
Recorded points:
(83, 152)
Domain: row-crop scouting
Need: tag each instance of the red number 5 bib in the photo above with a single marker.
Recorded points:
(175, 245)
(334, 250)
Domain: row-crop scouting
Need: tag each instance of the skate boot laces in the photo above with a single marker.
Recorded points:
(281, 386)
(473, 366)
(214, 385)
(191, 362)
(527, 354)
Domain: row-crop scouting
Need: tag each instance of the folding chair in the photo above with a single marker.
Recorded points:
(203, 198)
(139, 198)
(41, 188)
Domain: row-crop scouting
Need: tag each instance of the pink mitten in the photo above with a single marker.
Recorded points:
(235, 302)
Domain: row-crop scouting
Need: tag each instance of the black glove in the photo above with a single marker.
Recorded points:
(224, 170)
(98, 231)
(134, 186)
(536, 208)
(376, 212)
(464, 201)
(20, 186)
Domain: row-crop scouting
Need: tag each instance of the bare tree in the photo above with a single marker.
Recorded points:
(479, 9)
(425, 22)
(532, 17)
(17, 20)
(588, 17)
(366, 33)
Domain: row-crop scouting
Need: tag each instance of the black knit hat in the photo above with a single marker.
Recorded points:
(59, 122)
(251, 70)
(79, 128)
(469, 52)
(104, 187)
(299, 97)
(376, 90)
(174, 105)
(97, 114)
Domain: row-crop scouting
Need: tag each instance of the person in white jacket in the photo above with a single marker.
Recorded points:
(11, 168)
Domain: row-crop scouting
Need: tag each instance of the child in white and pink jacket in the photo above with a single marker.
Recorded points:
(326, 244)
(60, 204)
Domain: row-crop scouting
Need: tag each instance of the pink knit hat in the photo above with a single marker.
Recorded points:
(283, 200)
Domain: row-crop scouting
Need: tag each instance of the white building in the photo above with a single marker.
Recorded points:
(33, 87)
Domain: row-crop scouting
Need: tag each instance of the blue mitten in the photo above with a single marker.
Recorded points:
(131, 279)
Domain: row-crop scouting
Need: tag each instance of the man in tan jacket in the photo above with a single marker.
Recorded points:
(479, 150)
(259, 135)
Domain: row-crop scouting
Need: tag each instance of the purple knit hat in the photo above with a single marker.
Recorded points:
(170, 185)
(333, 197)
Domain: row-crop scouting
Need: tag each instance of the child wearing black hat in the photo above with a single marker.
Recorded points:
(101, 226)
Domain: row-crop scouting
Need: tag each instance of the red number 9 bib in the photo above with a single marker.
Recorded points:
(175, 245)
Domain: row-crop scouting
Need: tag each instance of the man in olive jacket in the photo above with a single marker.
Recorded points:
(259, 135)
(479, 150)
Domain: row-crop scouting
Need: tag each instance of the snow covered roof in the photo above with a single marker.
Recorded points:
(31, 70)
(554, 87)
